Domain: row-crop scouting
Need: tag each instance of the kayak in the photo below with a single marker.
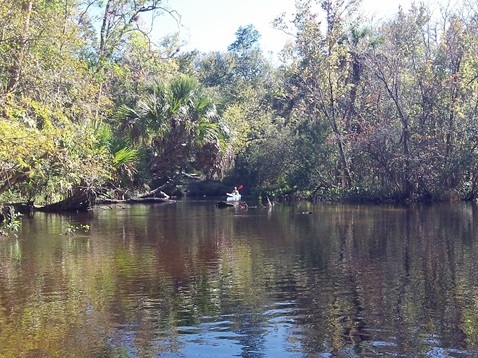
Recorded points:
(229, 203)
(224, 204)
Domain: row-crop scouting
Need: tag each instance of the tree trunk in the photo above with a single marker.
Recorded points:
(20, 46)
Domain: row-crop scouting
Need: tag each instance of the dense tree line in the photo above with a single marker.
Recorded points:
(354, 110)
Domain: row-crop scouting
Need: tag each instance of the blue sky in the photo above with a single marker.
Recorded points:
(209, 25)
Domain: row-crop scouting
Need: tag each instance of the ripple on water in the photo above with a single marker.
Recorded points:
(234, 337)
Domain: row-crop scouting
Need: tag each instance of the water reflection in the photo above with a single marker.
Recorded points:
(188, 279)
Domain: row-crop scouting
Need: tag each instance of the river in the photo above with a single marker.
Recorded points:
(187, 279)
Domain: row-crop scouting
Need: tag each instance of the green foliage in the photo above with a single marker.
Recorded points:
(89, 101)
(45, 155)
(174, 124)
(11, 226)
(125, 156)
(381, 109)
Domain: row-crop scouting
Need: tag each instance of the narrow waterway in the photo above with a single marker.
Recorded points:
(187, 279)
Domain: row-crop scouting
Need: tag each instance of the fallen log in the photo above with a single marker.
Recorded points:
(139, 200)
(149, 200)
(82, 201)
(106, 201)
(156, 193)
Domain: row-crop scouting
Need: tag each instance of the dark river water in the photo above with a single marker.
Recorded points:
(187, 279)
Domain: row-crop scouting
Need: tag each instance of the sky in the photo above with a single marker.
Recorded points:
(210, 25)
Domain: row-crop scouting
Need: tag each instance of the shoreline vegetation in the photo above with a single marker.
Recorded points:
(93, 110)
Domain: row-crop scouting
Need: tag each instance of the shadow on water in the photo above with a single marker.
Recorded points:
(189, 280)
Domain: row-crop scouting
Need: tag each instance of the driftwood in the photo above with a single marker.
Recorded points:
(156, 193)
(83, 203)
(139, 200)
(152, 196)
(110, 201)
(149, 200)
(85, 199)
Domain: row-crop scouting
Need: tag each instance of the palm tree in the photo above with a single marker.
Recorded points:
(125, 159)
(177, 126)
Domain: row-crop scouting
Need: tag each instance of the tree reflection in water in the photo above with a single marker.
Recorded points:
(188, 279)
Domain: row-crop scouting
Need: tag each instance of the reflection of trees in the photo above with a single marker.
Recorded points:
(394, 284)
(362, 280)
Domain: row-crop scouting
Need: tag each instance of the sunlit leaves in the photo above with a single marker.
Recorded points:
(324, 79)
(40, 149)
(239, 129)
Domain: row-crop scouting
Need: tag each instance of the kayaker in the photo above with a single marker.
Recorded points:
(235, 191)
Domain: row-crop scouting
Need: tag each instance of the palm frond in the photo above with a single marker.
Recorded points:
(125, 157)
(181, 89)
(103, 133)
(207, 132)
